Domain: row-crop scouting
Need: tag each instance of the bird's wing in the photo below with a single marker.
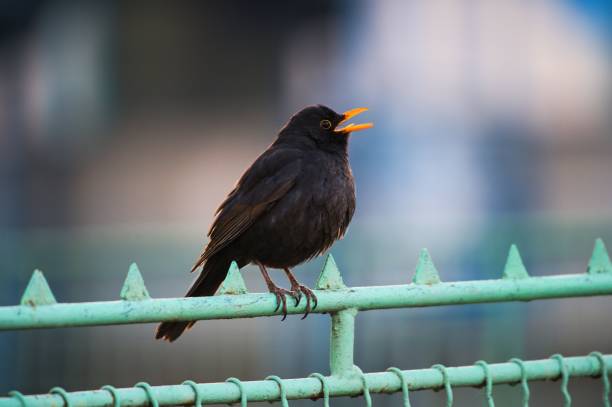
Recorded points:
(270, 177)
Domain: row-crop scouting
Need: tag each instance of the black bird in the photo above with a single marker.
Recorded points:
(290, 205)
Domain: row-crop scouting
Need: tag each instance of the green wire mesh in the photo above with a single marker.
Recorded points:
(356, 383)
(39, 308)
(447, 384)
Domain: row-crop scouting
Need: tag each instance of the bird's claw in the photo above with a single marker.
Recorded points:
(281, 299)
(297, 296)
(297, 291)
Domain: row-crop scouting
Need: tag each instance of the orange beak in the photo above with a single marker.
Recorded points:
(349, 128)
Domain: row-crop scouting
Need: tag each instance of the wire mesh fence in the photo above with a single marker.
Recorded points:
(40, 309)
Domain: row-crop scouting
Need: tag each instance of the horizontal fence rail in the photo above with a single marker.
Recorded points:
(39, 309)
(318, 386)
(259, 305)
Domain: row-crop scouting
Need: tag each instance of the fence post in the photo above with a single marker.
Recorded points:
(342, 342)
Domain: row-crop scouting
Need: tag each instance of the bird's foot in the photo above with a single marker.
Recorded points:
(281, 298)
(296, 292)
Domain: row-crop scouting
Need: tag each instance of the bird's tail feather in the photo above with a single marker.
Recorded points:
(207, 283)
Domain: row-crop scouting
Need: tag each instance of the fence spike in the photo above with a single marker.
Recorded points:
(514, 269)
(426, 272)
(330, 277)
(600, 261)
(233, 283)
(134, 288)
(38, 291)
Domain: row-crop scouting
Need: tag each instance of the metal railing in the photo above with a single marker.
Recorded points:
(39, 309)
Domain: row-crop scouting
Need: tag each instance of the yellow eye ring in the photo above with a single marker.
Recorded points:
(325, 124)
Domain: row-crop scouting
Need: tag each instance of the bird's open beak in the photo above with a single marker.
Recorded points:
(352, 127)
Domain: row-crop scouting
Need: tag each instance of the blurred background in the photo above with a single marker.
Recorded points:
(124, 124)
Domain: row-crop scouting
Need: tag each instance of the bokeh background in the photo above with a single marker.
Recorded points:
(124, 124)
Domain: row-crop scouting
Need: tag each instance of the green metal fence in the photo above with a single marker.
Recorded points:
(39, 309)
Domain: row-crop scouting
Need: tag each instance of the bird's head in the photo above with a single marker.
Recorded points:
(323, 126)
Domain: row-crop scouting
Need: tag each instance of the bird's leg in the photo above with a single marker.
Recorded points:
(297, 289)
(280, 293)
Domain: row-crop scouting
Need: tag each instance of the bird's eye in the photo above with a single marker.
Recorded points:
(325, 124)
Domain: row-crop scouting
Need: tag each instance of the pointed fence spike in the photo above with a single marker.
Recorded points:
(600, 261)
(330, 277)
(134, 288)
(38, 291)
(514, 269)
(233, 283)
(426, 272)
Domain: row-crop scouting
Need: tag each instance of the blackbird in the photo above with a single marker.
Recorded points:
(290, 205)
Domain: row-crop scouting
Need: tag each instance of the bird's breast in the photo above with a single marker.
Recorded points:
(310, 217)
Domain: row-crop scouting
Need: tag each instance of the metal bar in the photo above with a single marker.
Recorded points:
(342, 342)
(306, 388)
(259, 305)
